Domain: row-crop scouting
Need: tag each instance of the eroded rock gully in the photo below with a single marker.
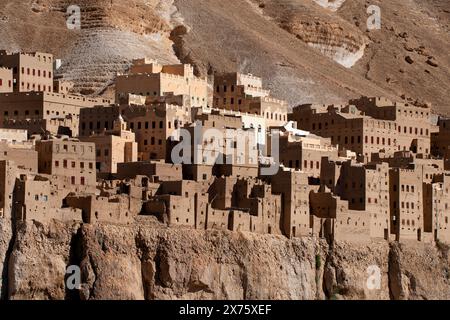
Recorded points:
(150, 261)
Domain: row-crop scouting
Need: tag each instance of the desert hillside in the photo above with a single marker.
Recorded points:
(306, 50)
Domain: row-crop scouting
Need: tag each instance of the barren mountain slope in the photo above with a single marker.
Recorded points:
(416, 29)
(237, 36)
(300, 47)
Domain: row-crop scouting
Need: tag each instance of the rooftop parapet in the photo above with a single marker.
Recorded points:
(56, 95)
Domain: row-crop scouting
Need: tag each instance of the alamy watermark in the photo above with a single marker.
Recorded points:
(374, 278)
(74, 20)
(73, 279)
(374, 20)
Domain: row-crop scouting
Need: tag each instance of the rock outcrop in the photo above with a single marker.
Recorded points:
(150, 261)
(6, 239)
(331, 39)
(332, 5)
(303, 65)
(111, 35)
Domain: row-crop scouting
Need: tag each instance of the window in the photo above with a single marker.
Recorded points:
(73, 180)
(82, 181)
(91, 165)
(56, 164)
(161, 124)
(65, 163)
(106, 152)
(73, 164)
(82, 165)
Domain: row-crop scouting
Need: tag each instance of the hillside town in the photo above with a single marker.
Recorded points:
(218, 153)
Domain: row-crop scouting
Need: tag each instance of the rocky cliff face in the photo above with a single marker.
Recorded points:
(6, 239)
(112, 34)
(150, 261)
